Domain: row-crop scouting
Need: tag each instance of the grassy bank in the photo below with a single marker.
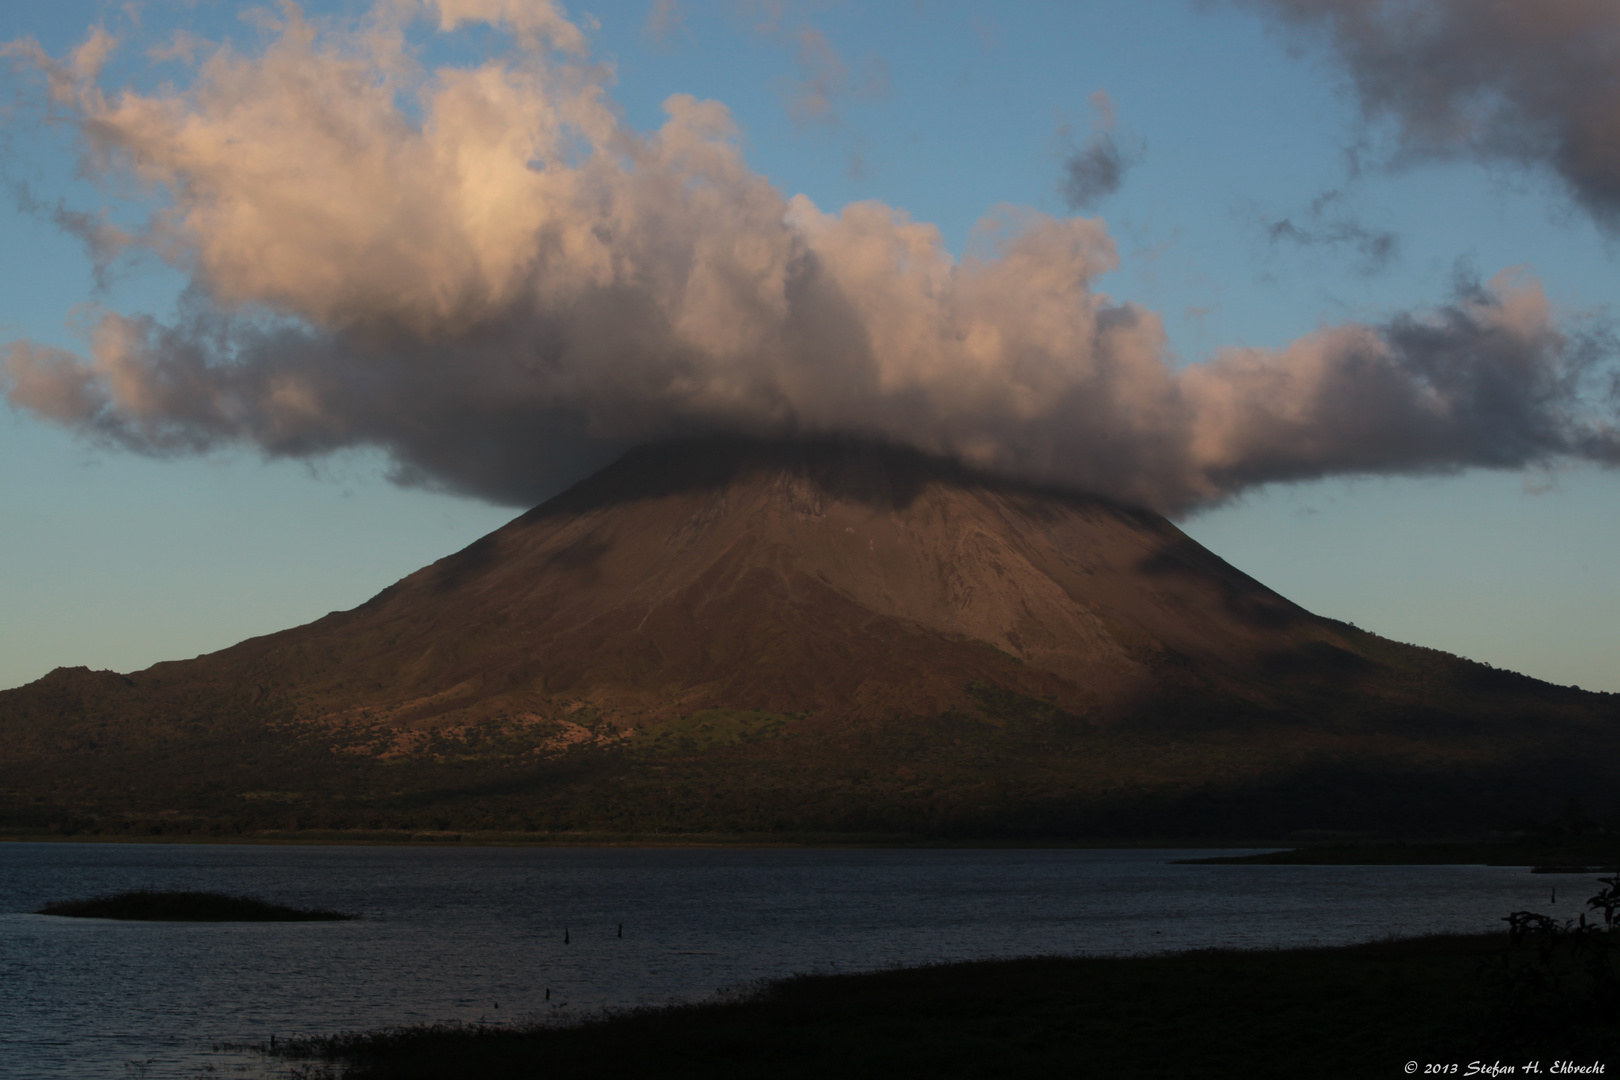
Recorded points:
(1362, 1011)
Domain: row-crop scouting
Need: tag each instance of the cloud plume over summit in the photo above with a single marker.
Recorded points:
(486, 273)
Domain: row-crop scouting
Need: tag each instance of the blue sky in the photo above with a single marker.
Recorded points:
(1229, 128)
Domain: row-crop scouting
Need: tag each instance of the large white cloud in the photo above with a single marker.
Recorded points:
(484, 272)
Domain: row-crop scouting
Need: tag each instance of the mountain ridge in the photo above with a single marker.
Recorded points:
(858, 635)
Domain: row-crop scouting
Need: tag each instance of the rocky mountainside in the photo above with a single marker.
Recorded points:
(747, 636)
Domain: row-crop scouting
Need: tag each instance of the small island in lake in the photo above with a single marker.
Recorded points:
(147, 905)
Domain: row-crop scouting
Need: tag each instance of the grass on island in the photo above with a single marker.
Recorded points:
(148, 905)
(1360, 1011)
(1548, 853)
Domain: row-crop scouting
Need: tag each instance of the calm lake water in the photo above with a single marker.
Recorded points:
(478, 933)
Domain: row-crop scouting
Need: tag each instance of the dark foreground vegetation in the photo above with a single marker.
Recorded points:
(147, 905)
(1362, 1011)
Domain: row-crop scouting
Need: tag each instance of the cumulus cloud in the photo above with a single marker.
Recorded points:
(1488, 380)
(484, 272)
(1534, 83)
(1096, 170)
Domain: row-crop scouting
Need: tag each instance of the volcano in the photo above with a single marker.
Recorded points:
(749, 636)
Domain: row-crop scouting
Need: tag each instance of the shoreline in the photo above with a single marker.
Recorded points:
(473, 838)
(1551, 854)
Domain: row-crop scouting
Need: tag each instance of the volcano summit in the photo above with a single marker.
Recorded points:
(831, 635)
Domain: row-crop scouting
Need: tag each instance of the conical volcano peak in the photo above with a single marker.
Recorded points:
(832, 577)
(823, 633)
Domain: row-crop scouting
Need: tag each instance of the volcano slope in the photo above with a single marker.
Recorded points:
(829, 636)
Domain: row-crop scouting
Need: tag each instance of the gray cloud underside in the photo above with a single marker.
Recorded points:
(1530, 82)
(506, 290)
(1096, 170)
(1327, 223)
(1093, 172)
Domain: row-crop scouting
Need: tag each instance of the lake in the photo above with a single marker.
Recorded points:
(470, 933)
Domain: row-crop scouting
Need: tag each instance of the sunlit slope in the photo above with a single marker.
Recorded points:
(836, 635)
